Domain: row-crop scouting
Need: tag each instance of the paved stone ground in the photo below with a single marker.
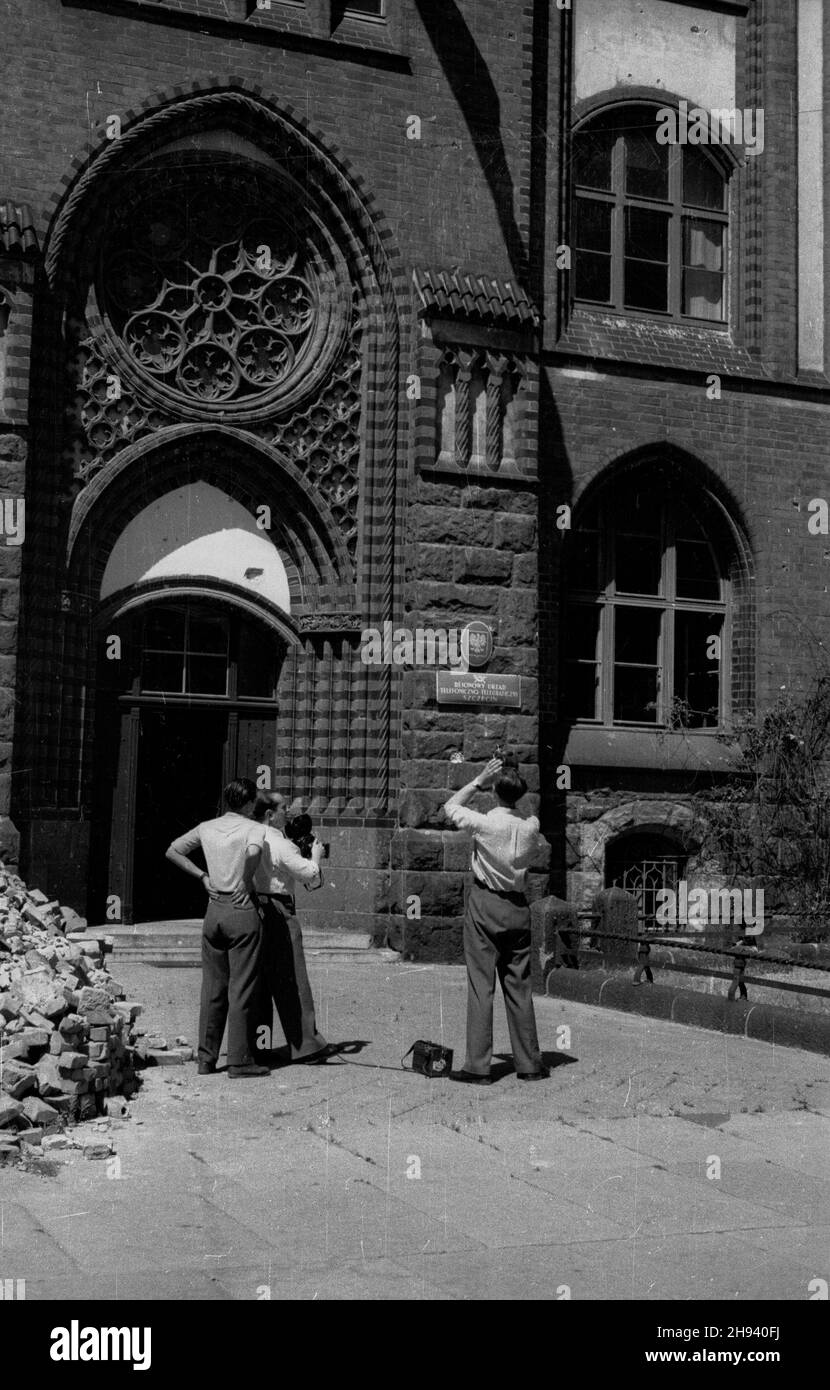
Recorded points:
(601, 1182)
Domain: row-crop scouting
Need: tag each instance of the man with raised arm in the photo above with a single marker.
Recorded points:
(497, 922)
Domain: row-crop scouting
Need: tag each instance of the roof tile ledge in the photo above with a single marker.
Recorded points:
(457, 294)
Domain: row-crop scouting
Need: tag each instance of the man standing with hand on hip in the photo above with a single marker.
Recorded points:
(497, 923)
(232, 933)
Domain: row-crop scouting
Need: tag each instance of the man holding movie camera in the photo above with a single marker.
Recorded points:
(291, 854)
(497, 921)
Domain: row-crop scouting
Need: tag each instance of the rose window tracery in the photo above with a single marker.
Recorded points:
(210, 301)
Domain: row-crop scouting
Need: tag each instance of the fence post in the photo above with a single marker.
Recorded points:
(618, 914)
(553, 936)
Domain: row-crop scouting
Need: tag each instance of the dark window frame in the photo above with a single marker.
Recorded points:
(679, 213)
(608, 601)
(232, 623)
(353, 10)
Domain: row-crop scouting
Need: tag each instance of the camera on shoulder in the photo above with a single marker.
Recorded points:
(300, 831)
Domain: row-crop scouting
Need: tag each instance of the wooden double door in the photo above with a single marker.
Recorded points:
(198, 710)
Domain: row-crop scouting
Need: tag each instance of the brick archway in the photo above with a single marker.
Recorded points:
(672, 820)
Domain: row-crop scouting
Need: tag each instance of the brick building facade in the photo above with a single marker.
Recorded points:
(318, 317)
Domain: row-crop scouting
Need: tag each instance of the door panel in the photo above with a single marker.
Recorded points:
(180, 770)
(256, 745)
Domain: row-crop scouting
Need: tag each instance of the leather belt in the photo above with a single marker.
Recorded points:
(499, 892)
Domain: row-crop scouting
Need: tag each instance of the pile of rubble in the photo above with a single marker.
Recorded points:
(67, 1041)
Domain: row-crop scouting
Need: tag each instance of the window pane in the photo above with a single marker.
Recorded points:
(207, 675)
(164, 630)
(697, 575)
(257, 668)
(636, 635)
(688, 526)
(703, 294)
(647, 234)
(593, 236)
(374, 7)
(584, 560)
(637, 565)
(703, 244)
(636, 512)
(635, 694)
(593, 225)
(646, 165)
(646, 250)
(646, 286)
(592, 279)
(697, 669)
(162, 671)
(208, 636)
(592, 158)
(704, 185)
(579, 697)
(580, 646)
(581, 633)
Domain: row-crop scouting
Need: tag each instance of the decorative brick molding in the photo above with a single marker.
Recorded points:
(315, 623)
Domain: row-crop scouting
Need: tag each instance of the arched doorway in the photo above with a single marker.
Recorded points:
(644, 863)
(186, 701)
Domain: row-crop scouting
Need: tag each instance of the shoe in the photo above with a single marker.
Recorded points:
(533, 1075)
(206, 1068)
(249, 1069)
(471, 1078)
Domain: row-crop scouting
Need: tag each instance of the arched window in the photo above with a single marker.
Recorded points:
(646, 635)
(650, 220)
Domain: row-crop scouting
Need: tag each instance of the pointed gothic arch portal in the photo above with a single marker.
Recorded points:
(187, 700)
(224, 314)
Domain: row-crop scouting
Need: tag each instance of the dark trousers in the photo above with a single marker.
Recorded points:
(231, 939)
(497, 942)
(286, 981)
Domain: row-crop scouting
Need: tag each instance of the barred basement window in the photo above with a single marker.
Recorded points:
(644, 865)
(650, 220)
(647, 626)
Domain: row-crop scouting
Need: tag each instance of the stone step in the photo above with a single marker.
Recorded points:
(179, 943)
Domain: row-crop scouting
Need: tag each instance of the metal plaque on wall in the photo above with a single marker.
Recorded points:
(470, 688)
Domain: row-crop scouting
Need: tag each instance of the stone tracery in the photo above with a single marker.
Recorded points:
(208, 300)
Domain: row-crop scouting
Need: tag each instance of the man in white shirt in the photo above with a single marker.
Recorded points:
(497, 923)
(232, 933)
(280, 868)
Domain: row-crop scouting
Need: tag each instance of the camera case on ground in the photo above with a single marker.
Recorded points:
(429, 1058)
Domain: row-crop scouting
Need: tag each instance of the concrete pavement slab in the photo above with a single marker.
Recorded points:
(380, 1280)
(357, 1181)
(807, 1247)
(702, 1266)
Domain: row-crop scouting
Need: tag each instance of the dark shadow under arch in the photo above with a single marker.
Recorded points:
(242, 466)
